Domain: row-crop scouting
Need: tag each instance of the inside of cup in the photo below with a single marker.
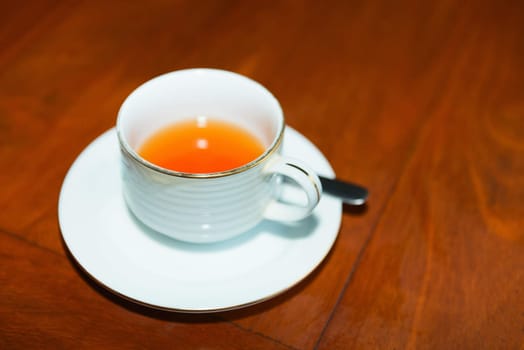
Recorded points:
(194, 93)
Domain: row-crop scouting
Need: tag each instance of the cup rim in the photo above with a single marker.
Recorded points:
(270, 150)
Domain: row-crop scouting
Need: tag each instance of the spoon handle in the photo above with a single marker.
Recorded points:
(349, 193)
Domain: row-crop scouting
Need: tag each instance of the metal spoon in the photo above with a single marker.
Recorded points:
(349, 193)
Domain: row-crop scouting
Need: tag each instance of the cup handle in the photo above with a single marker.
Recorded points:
(306, 179)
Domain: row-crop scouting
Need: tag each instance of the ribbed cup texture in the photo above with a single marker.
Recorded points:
(196, 209)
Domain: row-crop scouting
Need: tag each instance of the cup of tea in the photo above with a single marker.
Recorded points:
(201, 156)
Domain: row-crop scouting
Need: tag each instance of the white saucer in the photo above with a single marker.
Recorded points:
(152, 269)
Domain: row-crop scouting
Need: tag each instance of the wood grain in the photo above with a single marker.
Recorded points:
(420, 101)
(444, 266)
(47, 303)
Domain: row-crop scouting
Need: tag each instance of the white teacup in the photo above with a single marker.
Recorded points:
(209, 207)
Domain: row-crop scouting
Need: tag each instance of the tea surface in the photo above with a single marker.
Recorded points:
(201, 145)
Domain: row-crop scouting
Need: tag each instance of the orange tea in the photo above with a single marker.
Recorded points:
(201, 145)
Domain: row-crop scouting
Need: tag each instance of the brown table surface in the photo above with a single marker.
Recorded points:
(422, 102)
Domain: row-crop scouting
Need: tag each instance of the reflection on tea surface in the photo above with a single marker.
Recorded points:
(201, 145)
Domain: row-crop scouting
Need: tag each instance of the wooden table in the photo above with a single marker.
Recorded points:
(421, 102)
